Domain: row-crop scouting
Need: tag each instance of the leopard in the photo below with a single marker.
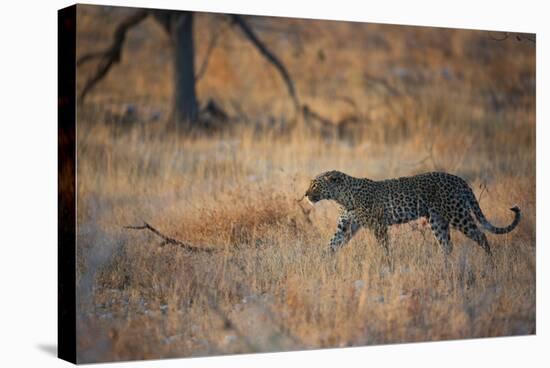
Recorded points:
(446, 201)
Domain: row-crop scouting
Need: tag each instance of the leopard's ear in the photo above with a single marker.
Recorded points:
(329, 176)
(333, 177)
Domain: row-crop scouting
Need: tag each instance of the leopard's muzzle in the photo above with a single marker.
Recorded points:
(313, 197)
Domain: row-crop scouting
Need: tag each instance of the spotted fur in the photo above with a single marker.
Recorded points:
(445, 200)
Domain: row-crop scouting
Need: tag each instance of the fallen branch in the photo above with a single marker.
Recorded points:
(168, 240)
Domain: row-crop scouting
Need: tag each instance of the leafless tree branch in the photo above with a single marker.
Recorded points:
(111, 55)
(169, 240)
(269, 56)
(211, 45)
(519, 37)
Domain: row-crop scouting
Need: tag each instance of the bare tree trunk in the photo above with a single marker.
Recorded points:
(185, 106)
(179, 26)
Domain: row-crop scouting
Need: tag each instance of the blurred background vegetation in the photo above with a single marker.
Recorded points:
(386, 82)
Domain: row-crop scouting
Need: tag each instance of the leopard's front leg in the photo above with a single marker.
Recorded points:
(375, 219)
(347, 227)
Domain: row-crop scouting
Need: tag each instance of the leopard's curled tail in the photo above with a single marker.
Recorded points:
(474, 206)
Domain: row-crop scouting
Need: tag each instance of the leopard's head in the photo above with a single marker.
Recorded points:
(327, 185)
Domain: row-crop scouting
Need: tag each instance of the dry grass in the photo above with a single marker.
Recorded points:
(271, 286)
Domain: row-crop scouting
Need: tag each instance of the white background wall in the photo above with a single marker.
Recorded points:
(28, 181)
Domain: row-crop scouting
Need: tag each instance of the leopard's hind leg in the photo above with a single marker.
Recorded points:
(469, 228)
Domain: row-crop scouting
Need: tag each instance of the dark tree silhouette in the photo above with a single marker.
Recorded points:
(185, 96)
(111, 55)
(179, 27)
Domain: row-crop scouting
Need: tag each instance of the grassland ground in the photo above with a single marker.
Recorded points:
(272, 285)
